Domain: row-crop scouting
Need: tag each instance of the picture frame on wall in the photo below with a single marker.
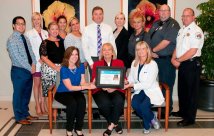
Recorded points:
(51, 9)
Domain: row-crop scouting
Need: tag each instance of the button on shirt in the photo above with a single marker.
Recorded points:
(89, 40)
(189, 37)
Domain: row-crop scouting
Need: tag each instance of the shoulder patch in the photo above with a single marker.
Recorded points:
(198, 35)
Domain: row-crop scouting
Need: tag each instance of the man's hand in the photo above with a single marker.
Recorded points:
(154, 55)
(175, 62)
(33, 69)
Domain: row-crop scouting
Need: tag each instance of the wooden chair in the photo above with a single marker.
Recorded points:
(165, 104)
(127, 109)
(164, 87)
(53, 105)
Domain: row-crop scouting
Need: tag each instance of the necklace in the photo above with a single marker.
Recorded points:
(73, 70)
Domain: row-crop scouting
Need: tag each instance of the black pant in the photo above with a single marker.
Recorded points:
(188, 86)
(75, 108)
(110, 105)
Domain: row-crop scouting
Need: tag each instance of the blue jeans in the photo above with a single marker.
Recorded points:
(22, 87)
(142, 105)
(166, 75)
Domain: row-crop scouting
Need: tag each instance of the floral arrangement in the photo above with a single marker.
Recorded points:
(146, 9)
(57, 9)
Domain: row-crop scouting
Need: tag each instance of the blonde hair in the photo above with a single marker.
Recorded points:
(120, 13)
(73, 18)
(149, 53)
(136, 14)
(37, 14)
(101, 57)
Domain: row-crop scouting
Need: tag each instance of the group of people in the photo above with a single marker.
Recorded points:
(150, 57)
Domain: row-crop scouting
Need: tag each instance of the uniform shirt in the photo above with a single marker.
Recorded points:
(166, 30)
(133, 40)
(89, 40)
(189, 37)
(72, 40)
(36, 41)
(73, 75)
(17, 52)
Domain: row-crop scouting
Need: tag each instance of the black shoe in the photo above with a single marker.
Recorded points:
(184, 123)
(176, 114)
(118, 129)
(77, 133)
(96, 114)
(107, 132)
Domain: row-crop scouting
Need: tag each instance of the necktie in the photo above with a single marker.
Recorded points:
(26, 49)
(99, 40)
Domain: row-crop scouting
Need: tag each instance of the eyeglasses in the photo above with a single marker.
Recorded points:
(163, 10)
(186, 16)
(20, 24)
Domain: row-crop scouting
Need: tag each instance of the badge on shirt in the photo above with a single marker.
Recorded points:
(137, 39)
(198, 35)
(161, 28)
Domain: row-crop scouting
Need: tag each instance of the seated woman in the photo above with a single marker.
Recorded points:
(143, 78)
(72, 82)
(110, 101)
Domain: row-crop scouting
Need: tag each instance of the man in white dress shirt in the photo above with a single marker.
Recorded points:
(186, 58)
(90, 34)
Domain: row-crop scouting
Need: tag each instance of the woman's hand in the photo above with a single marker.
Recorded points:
(92, 86)
(109, 90)
(58, 68)
(40, 61)
(128, 85)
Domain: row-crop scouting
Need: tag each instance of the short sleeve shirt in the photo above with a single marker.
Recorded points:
(73, 75)
(166, 30)
(55, 54)
(189, 37)
(133, 40)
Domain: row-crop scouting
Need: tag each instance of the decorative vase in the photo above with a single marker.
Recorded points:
(206, 95)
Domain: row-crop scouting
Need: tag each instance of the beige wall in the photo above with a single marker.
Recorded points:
(8, 10)
(11, 8)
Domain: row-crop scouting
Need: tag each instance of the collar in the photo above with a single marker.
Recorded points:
(189, 26)
(16, 33)
(95, 24)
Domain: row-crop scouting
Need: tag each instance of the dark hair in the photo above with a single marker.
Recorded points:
(97, 8)
(67, 55)
(16, 18)
(61, 17)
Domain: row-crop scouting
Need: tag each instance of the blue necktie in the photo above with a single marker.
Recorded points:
(26, 49)
(99, 40)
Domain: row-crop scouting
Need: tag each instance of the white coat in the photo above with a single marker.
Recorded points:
(36, 41)
(147, 81)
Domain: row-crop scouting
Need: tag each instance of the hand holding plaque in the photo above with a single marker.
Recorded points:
(110, 77)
